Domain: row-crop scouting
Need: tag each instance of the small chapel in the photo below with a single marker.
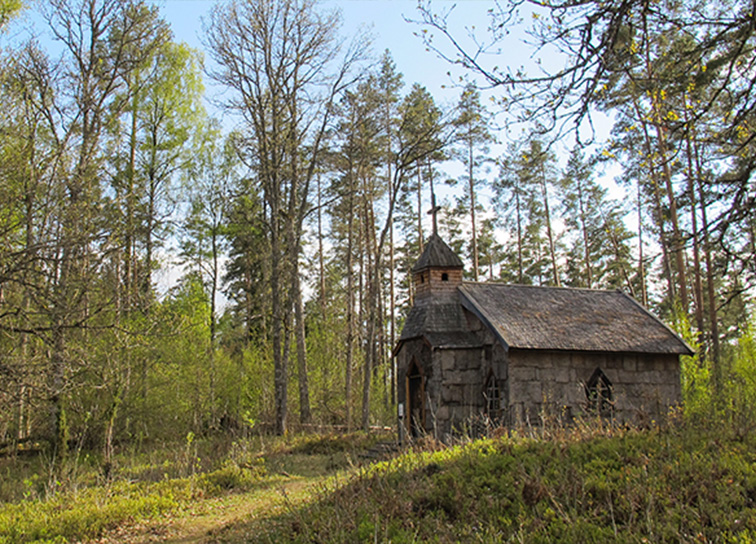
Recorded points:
(513, 355)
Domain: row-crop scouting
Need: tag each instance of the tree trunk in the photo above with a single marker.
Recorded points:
(373, 282)
(549, 231)
(641, 262)
(710, 287)
(214, 277)
(584, 229)
(280, 362)
(662, 150)
(350, 304)
(640, 116)
(305, 415)
(471, 179)
(697, 283)
(420, 238)
(520, 265)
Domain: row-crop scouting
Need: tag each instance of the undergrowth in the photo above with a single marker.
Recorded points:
(83, 498)
(682, 483)
(674, 485)
(89, 512)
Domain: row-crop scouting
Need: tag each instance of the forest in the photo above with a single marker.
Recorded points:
(294, 232)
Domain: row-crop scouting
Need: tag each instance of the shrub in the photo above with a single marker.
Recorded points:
(232, 477)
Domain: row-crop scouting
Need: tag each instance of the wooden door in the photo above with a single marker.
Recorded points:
(415, 400)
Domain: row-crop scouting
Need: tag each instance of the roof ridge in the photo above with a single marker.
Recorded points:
(555, 287)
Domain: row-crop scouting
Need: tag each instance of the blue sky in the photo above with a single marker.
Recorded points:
(384, 19)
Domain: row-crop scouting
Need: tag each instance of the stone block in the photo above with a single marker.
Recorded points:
(544, 361)
(626, 377)
(472, 377)
(453, 377)
(630, 363)
(469, 359)
(578, 361)
(559, 393)
(613, 361)
(458, 413)
(528, 392)
(501, 370)
(447, 359)
(561, 375)
(522, 373)
(452, 394)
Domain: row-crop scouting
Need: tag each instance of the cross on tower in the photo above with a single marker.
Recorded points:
(434, 212)
(434, 209)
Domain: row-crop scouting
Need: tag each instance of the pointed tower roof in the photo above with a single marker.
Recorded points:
(437, 255)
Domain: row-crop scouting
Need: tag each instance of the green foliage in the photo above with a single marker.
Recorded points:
(85, 503)
(8, 10)
(741, 386)
(331, 443)
(88, 513)
(657, 485)
(231, 476)
(736, 404)
(695, 374)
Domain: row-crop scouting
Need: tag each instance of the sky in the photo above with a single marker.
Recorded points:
(384, 19)
(387, 21)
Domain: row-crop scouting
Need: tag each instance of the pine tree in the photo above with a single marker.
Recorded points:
(473, 136)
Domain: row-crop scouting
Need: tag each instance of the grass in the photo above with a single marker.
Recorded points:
(88, 513)
(678, 484)
(167, 485)
(674, 485)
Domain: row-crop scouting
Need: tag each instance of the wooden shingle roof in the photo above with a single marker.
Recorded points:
(433, 318)
(437, 255)
(552, 318)
(442, 325)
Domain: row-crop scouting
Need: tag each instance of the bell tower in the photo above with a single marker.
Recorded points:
(438, 271)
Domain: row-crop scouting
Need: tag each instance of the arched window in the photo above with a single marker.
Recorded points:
(598, 393)
(492, 396)
(444, 277)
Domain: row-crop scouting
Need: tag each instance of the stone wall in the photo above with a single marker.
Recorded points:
(416, 349)
(453, 382)
(457, 393)
(535, 386)
(552, 385)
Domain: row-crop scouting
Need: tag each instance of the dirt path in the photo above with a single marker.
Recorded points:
(229, 518)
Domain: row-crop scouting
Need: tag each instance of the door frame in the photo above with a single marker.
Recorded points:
(415, 380)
